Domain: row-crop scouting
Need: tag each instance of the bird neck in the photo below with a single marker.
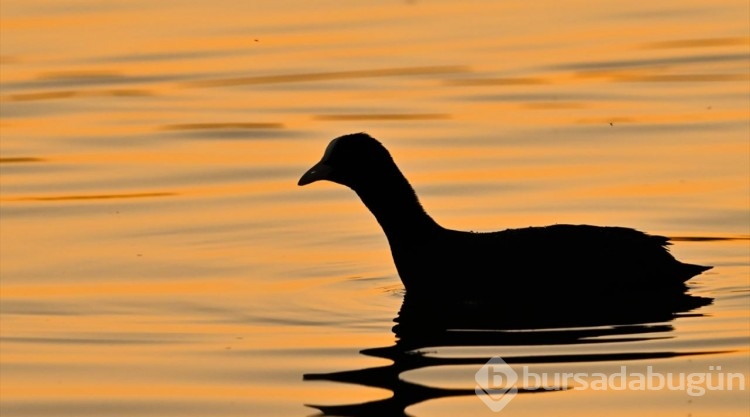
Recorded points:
(396, 207)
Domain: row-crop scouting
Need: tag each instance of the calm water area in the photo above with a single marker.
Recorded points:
(157, 257)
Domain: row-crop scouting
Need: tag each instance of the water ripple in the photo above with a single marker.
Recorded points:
(95, 197)
(327, 76)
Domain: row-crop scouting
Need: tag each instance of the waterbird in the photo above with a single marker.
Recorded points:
(435, 261)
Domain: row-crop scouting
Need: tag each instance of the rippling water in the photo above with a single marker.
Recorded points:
(159, 259)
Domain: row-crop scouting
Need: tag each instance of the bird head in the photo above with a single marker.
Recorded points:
(355, 160)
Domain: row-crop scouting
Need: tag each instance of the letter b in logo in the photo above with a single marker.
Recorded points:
(496, 383)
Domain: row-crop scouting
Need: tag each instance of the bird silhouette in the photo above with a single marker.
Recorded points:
(440, 262)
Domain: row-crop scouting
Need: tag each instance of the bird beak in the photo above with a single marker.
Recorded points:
(319, 171)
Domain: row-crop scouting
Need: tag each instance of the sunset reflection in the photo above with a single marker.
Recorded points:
(159, 259)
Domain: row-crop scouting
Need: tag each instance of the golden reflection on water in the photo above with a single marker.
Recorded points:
(328, 76)
(94, 197)
(159, 259)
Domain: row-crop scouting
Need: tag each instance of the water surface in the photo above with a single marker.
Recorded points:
(159, 259)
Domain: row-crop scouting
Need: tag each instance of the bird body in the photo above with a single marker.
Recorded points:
(436, 261)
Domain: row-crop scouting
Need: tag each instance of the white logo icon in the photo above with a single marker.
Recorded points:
(496, 383)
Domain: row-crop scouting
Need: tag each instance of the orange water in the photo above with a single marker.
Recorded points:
(159, 259)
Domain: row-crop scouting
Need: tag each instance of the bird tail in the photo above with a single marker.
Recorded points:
(688, 271)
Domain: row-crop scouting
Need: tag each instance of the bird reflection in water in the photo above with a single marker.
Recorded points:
(508, 321)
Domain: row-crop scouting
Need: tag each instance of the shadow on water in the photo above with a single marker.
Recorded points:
(507, 321)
